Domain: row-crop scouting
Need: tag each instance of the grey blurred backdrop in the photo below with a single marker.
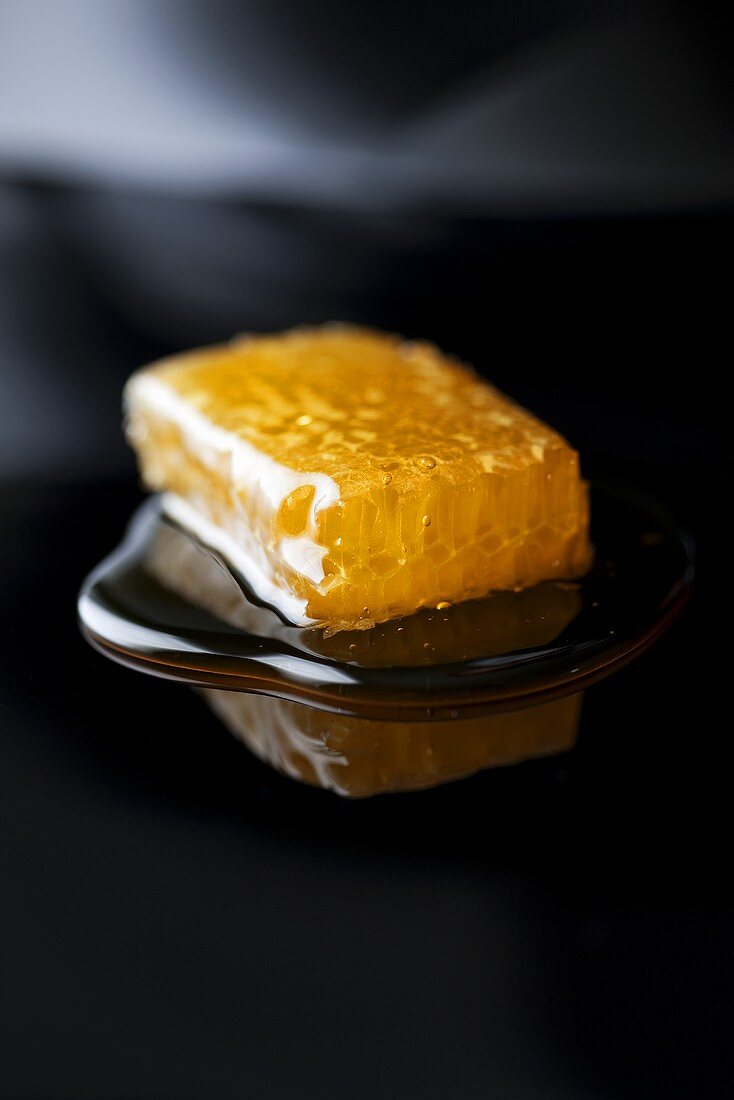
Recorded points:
(543, 187)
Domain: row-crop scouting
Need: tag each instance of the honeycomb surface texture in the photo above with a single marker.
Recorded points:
(361, 475)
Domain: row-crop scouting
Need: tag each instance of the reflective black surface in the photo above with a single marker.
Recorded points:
(179, 921)
(501, 652)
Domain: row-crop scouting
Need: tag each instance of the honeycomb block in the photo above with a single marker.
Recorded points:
(353, 477)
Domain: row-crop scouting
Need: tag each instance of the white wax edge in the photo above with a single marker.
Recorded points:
(191, 519)
(249, 466)
(259, 474)
(304, 556)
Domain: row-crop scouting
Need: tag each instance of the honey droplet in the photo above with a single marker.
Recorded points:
(386, 479)
(365, 612)
(426, 521)
(426, 462)
(353, 645)
(302, 421)
(442, 605)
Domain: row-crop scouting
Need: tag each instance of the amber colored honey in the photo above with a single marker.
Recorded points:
(447, 489)
(504, 622)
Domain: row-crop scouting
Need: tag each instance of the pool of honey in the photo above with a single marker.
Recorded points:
(412, 702)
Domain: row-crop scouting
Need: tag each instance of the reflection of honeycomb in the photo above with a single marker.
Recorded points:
(356, 757)
(361, 476)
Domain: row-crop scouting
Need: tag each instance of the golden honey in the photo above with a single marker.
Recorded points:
(354, 477)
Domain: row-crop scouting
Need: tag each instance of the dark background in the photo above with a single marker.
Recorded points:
(544, 188)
